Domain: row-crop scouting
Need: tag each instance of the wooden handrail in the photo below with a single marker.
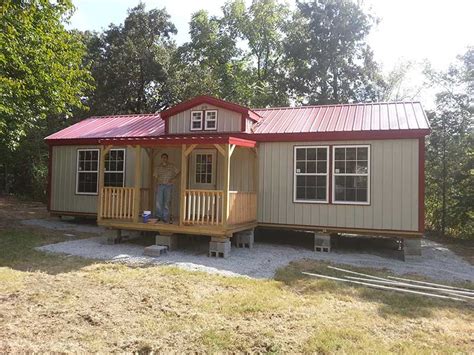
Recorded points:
(203, 207)
(117, 202)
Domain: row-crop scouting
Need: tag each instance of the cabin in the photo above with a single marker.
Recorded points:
(353, 168)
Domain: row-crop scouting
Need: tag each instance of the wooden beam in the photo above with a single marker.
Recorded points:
(226, 182)
(107, 149)
(190, 149)
(138, 182)
(182, 190)
(220, 149)
(103, 153)
(232, 147)
(151, 192)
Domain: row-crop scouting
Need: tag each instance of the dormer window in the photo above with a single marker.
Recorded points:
(204, 120)
(210, 123)
(196, 120)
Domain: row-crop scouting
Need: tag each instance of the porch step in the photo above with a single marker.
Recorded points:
(155, 250)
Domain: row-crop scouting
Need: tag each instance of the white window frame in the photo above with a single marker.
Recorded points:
(206, 128)
(334, 174)
(88, 171)
(295, 174)
(117, 171)
(201, 114)
(213, 167)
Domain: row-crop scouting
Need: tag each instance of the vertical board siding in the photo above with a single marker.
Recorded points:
(63, 178)
(227, 121)
(393, 189)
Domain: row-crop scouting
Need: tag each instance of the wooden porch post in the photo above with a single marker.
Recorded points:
(138, 183)
(227, 155)
(101, 169)
(151, 192)
(182, 191)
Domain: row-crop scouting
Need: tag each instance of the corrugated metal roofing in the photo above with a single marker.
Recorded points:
(342, 118)
(306, 119)
(142, 125)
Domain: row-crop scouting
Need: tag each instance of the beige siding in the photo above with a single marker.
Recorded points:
(63, 179)
(393, 186)
(227, 121)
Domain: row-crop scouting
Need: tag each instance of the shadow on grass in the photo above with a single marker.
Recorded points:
(391, 303)
(17, 251)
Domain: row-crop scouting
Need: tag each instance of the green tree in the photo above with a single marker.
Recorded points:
(328, 58)
(210, 63)
(40, 66)
(261, 27)
(42, 82)
(450, 153)
(129, 63)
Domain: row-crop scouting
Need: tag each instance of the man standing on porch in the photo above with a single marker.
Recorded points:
(164, 174)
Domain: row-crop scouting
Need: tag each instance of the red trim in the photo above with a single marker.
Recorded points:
(268, 137)
(198, 100)
(50, 172)
(421, 185)
(177, 140)
(337, 136)
(78, 141)
(242, 123)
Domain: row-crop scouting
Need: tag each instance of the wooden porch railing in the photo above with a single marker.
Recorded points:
(242, 207)
(119, 202)
(204, 207)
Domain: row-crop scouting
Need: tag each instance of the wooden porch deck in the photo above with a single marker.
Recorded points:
(175, 228)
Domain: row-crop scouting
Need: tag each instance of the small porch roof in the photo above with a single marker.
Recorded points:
(178, 140)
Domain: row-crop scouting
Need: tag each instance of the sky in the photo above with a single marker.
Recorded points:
(408, 30)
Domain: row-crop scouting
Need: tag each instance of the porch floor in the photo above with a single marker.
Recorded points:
(170, 228)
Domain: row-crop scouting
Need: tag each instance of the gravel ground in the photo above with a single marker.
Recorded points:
(263, 260)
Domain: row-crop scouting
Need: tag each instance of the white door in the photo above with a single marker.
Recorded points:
(202, 172)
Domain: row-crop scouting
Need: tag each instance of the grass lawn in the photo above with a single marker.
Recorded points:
(57, 303)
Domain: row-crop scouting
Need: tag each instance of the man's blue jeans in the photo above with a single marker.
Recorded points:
(163, 200)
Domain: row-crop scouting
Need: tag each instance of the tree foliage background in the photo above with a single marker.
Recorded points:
(264, 54)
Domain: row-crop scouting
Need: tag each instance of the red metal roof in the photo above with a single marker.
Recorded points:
(342, 118)
(142, 125)
(338, 122)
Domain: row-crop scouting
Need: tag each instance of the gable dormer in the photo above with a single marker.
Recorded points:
(206, 114)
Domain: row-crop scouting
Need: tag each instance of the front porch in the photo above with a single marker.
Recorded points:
(215, 194)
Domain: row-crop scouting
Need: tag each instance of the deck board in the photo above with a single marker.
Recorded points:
(213, 231)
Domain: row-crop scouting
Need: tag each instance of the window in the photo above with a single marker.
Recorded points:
(311, 174)
(351, 169)
(87, 171)
(196, 120)
(204, 168)
(211, 120)
(114, 174)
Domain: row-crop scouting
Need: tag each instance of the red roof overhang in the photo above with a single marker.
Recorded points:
(199, 100)
(178, 140)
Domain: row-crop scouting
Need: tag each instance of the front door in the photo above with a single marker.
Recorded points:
(202, 172)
